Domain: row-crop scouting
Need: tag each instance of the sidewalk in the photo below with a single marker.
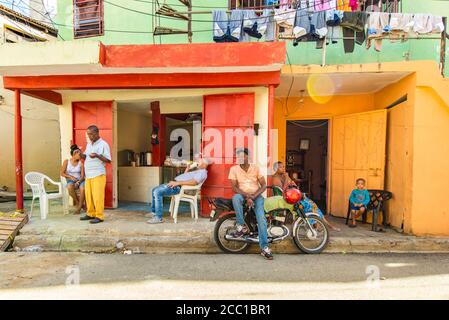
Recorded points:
(126, 229)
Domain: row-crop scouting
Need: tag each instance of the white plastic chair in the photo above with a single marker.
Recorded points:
(36, 181)
(65, 192)
(192, 199)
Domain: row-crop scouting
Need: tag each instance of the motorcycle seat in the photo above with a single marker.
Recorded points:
(224, 204)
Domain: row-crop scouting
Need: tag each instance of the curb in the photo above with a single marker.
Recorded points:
(204, 243)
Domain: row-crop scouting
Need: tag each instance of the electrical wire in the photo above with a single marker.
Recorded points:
(47, 14)
(297, 124)
(307, 8)
(158, 16)
(291, 83)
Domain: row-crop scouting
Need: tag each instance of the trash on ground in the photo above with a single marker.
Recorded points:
(34, 248)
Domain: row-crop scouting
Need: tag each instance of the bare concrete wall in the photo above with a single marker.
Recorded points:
(41, 138)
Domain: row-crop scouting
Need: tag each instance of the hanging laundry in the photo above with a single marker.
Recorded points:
(285, 4)
(371, 5)
(378, 28)
(427, 24)
(332, 5)
(333, 21)
(220, 22)
(310, 27)
(318, 28)
(354, 5)
(270, 33)
(343, 5)
(302, 4)
(318, 24)
(285, 18)
(401, 24)
(353, 24)
(254, 25)
(250, 26)
(271, 2)
(315, 5)
(322, 5)
(422, 23)
(227, 29)
(302, 25)
(437, 24)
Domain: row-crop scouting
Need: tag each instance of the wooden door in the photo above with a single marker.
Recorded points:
(221, 113)
(358, 146)
(99, 113)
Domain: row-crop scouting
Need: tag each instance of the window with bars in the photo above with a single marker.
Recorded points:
(242, 4)
(88, 18)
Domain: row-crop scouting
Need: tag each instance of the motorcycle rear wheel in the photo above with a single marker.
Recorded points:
(304, 239)
(223, 226)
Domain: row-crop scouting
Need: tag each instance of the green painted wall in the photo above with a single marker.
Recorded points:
(139, 26)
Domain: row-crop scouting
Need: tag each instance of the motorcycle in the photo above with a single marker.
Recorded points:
(309, 232)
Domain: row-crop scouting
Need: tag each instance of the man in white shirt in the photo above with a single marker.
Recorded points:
(96, 156)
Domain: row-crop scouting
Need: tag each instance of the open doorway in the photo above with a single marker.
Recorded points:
(138, 172)
(307, 157)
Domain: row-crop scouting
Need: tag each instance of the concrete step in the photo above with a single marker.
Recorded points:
(66, 233)
(205, 244)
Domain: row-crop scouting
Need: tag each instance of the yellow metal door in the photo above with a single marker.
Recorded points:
(358, 145)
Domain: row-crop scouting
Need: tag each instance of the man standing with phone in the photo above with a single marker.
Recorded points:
(96, 156)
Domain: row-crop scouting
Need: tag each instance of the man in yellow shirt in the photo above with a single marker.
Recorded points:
(249, 184)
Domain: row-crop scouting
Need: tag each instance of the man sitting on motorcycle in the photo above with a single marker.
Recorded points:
(249, 184)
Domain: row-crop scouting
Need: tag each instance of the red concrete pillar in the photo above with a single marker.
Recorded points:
(18, 152)
(270, 128)
(158, 153)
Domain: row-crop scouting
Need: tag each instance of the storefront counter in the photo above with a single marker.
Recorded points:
(136, 183)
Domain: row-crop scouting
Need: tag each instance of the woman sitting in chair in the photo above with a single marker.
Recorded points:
(73, 170)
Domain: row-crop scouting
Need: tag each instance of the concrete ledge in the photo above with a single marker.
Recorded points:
(123, 230)
(205, 244)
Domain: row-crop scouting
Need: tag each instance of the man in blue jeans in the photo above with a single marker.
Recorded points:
(249, 184)
(188, 178)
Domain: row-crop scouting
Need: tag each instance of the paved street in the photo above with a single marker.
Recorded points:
(219, 276)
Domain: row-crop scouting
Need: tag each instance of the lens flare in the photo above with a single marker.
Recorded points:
(321, 88)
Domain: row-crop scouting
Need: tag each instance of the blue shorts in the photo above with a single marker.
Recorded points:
(70, 182)
(354, 207)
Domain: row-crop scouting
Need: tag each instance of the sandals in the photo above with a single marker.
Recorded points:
(352, 225)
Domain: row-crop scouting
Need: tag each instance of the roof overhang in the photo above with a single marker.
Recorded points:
(39, 69)
(92, 57)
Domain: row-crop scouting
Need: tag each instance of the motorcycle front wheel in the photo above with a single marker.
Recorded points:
(225, 225)
(311, 237)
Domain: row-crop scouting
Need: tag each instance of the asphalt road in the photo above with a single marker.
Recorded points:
(219, 276)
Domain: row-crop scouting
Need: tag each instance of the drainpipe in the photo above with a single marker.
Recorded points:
(444, 37)
(18, 152)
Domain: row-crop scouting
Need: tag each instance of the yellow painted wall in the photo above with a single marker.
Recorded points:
(417, 169)
(399, 152)
(41, 138)
(430, 213)
(309, 109)
(134, 131)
